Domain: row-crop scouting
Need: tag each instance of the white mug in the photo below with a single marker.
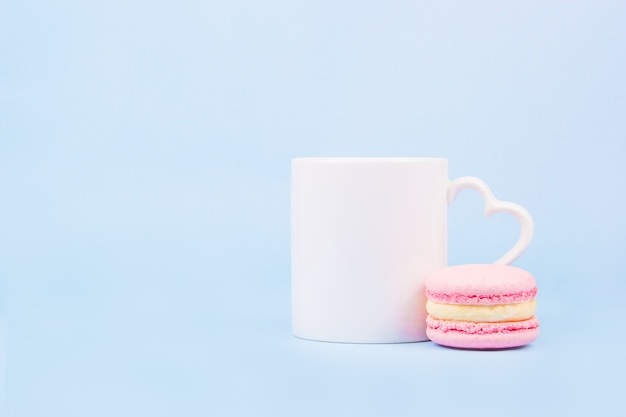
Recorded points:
(365, 234)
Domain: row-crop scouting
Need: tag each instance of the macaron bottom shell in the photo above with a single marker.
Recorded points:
(466, 335)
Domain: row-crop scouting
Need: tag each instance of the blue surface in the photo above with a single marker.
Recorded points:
(144, 198)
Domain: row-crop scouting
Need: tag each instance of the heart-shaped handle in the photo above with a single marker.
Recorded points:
(492, 206)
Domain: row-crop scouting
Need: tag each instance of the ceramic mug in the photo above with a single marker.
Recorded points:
(365, 234)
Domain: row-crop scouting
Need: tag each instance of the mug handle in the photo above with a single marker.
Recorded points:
(492, 206)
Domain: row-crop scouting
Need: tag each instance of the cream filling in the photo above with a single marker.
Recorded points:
(482, 313)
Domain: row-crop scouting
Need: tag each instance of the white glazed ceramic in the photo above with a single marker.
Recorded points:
(365, 234)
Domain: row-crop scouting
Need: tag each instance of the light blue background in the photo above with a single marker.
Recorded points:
(144, 198)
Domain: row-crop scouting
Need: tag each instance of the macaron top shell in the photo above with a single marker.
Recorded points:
(481, 284)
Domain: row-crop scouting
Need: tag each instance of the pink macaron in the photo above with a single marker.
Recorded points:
(481, 307)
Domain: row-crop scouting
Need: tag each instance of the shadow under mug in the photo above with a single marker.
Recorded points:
(365, 233)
